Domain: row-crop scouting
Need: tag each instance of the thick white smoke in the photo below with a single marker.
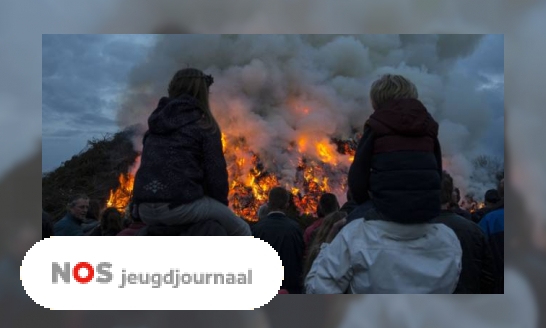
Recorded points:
(279, 92)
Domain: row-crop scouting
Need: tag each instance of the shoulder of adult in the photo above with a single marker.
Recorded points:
(60, 221)
(493, 215)
(354, 228)
(459, 222)
(497, 211)
(447, 234)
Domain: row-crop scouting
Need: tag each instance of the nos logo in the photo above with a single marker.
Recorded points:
(102, 269)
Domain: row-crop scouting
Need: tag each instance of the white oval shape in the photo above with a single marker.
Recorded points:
(255, 265)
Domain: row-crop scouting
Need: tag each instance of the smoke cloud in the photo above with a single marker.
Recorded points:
(283, 94)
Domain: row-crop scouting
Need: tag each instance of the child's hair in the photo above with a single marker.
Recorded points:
(319, 238)
(195, 83)
(391, 87)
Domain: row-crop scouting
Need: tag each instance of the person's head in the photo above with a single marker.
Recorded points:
(78, 206)
(320, 237)
(491, 197)
(94, 210)
(446, 196)
(193, 82)
(326, 226)
(391, 87)
(47, 225)
(327, 204)
(456, 196)
(278, 199)
(111, 220)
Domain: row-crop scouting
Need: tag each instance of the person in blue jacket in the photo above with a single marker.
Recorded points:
(493, 226)
(72, 224)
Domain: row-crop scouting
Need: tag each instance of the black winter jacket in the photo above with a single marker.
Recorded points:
(286, 237)
(462, 212)
(477, 274)
(181, 161)
(399, 161)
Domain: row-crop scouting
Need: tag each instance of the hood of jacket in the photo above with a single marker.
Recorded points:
(172, 114)
(407, 117)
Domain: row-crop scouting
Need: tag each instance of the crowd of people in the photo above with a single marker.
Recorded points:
(81, 220)
(401, 230)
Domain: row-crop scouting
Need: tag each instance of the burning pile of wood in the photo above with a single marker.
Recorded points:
(104, 171)
(250, 181)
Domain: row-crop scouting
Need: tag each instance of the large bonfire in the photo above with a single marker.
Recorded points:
(250, 181)
(291, 108)
(106, 169)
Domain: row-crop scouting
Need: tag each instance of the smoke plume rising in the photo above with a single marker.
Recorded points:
(281, 97)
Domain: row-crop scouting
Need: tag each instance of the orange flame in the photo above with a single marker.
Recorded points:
(223, 142)
(477, 206)
(326, 153)
(121, 197)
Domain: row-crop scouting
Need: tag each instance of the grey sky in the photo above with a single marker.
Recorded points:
(84, 76)
(21, 27)
(487, 63)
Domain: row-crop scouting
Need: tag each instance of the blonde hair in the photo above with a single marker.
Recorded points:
(391, 87)
(195, 83)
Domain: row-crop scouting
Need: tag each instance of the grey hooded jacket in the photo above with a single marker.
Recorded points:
(383, 257)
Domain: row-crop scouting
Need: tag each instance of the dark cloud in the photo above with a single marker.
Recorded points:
(62, 133)
(82, 77)
(486, 66)
(488, 57)
(95, 121)
(79, 70)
